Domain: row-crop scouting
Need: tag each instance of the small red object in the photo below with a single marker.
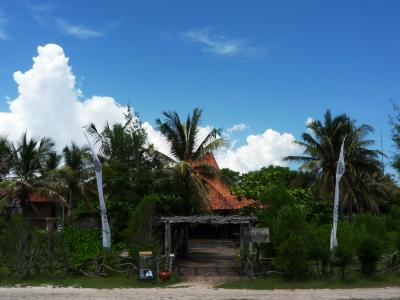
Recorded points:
(165, 274)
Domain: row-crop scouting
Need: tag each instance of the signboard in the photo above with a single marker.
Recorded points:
(257, 235)
(146, 265)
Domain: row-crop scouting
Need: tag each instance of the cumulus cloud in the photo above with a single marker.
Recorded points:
(48, 102)
(237, 127)
(259, 151)
(220, 44)
(309, 121)
(78, 31)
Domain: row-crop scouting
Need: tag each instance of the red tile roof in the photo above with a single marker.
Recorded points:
(219, 195)
(38, 198)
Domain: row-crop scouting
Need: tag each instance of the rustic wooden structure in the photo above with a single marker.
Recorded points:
(245, 222)
(41, 210)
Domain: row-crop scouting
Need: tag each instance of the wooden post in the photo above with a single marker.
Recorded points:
(250, 243)
(241, 241)
(251, 256)
(167, 245)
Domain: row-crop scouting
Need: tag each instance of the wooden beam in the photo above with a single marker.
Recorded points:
(241, 241)
(167, 245)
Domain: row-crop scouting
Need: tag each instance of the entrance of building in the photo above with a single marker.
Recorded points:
(207, 245)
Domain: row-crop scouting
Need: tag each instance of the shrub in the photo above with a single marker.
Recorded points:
(318, 243)
(290, 220)
(24, 250)
(345, 251)
(368, 251)
(140, 234)
(292, 257)
(78, 246)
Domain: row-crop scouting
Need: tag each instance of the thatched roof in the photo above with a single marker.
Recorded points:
(210, 219)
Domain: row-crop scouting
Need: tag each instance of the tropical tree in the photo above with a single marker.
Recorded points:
(5, 156)
(188, 152)
(128, 165)
(75, 177)
(30, 158)
(321, 144)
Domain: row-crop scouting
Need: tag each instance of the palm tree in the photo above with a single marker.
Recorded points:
(5, 156)
(321, 144)
(188, 152)
(75, 176)
(30, 158)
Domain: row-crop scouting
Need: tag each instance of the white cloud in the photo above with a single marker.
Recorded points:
(48, 103)
(220, 44)
(259, 151)
(309, 121)
(237, 127)
(78, 31)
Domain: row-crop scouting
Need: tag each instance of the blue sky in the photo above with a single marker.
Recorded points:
(266, 64)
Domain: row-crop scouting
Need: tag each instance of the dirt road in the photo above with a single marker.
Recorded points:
(202, 292)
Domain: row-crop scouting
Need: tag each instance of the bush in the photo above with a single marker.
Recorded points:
(318, 243)
(140, 234)
(74, 247)
(292, 257)
(345, 251)
(290, 220)
(368, 251)
(24, 250)
(289, 234)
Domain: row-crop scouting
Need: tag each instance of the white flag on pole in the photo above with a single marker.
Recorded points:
(103, 211)
(339, 173)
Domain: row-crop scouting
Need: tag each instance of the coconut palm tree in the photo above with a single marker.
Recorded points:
(5, 156)
(188, 152)
(75, 176)
(321, 145)
(30, 157)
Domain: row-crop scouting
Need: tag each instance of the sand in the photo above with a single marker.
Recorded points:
(192, 291)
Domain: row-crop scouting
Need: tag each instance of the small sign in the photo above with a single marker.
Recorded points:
(146, 265)
(257, 235)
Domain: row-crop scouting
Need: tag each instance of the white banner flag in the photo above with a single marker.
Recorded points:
(339, 173)
(103, 211)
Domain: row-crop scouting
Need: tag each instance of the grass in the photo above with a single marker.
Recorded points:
(277, 282)
(114, 281)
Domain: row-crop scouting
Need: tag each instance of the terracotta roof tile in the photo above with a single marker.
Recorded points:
(219, 195)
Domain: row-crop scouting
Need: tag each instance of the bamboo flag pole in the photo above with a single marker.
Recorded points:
(99, 178)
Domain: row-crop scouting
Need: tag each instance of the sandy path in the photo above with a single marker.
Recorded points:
(198, 291)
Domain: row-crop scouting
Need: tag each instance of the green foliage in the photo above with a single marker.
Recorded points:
(79, 245)
(318, 244)
(345, 251)
(263, 184)
(291, 220)
(369, 251)
(290, 239)
(142, 233)
(23, 250)
(293, 254)
(230, 177)
(187, 167)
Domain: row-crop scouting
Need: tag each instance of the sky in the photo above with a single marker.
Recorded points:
(259, 69)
